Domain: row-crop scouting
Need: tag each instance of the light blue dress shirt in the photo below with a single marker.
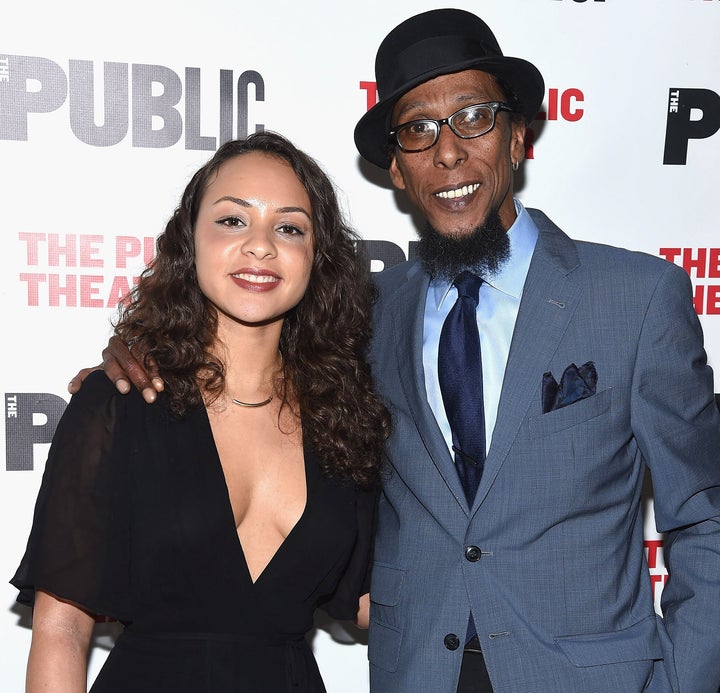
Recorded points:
(497, 311)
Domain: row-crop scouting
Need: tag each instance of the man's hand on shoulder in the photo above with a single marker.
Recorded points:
(124, 370)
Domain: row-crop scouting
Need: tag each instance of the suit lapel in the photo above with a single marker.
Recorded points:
(550, 297)
(408, 331)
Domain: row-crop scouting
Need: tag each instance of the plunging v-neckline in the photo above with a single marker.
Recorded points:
(231, 514)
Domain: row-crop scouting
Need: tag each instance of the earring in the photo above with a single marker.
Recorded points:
(515, 165)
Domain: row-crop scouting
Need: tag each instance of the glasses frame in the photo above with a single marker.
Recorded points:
(494, 107)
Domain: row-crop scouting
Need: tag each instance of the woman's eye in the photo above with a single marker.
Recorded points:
(230, 221)
(291, 230)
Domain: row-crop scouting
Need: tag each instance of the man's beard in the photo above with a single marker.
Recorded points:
(483, 251)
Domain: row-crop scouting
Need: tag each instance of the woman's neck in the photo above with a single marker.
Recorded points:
(252, 360)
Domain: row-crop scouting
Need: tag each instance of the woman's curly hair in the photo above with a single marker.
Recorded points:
(324, 339)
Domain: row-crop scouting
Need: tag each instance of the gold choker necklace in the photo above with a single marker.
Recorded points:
(251, 405)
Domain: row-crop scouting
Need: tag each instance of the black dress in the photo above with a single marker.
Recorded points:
(133, 521)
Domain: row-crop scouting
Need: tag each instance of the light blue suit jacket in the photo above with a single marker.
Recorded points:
(561, 594)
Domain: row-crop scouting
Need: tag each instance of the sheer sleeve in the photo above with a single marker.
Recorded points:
(78, 543)
(355, 581)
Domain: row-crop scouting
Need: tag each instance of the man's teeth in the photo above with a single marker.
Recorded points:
(256, 278)
(459, 192)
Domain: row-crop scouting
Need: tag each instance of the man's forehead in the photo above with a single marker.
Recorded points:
(459, 87)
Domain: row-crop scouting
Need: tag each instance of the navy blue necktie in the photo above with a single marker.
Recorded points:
(460, 377)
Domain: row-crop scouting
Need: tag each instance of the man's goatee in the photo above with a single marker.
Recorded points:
(483, 251)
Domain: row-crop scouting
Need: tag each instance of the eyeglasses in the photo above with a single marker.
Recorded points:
(471, 121)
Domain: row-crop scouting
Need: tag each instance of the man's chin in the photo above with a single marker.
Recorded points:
(457, 226)
(482, 249)
(456, 233)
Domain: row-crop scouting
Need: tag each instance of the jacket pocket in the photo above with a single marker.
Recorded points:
(572, 415)
(638, 642)
(384, 646)
(385, 633)
(385, 585)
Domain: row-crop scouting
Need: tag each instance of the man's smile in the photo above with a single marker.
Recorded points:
(462, 191)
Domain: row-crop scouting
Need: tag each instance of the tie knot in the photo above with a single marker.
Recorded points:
(468, 286)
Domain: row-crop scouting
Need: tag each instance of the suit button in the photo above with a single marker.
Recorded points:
(452, 642)
(472, 553)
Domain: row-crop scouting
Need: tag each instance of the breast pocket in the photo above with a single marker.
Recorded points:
(385, 632)
(572, 415)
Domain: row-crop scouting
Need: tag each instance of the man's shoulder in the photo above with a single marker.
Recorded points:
(599, 257)
(389, 279)
(615, 262)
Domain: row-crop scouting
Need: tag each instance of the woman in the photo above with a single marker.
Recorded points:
(214, 524)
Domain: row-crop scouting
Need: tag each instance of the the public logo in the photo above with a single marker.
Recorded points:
(136, 98)
(692, 114)
(69, 270)
(703, 267)
(30, 419)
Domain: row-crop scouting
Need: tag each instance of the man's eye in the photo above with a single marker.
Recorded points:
(420, 128)
(476, 115)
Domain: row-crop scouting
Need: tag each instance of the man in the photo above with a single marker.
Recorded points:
(547, 554)
(509, 551)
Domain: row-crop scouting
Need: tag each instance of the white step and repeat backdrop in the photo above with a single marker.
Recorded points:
(105, 111)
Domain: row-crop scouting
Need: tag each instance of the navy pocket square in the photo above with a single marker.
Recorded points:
(575, 384)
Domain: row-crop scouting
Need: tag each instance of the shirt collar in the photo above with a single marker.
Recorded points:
(510, 278)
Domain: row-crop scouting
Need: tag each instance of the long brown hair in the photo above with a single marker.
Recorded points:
(323, 341)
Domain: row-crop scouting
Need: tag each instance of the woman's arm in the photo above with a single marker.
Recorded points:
(61, 635)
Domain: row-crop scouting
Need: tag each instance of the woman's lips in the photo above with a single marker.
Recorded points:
(255, 280)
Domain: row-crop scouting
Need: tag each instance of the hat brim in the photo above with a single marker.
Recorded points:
(371, 132)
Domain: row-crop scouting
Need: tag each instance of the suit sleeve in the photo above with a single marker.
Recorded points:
(676, 423)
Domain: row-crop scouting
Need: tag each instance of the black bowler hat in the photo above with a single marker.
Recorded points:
(434, 43)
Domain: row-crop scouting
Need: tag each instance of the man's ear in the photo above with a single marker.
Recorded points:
(517, 142)
(396, 176)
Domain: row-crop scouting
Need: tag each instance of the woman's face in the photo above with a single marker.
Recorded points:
(254, 240)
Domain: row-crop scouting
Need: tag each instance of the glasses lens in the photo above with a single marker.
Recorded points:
(416, 135)
(473, 121)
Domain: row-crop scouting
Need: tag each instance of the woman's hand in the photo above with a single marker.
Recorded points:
(363, 614)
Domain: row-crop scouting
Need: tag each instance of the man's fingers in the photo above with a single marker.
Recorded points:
(154, 374)
(77, 381)
(123, 368)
